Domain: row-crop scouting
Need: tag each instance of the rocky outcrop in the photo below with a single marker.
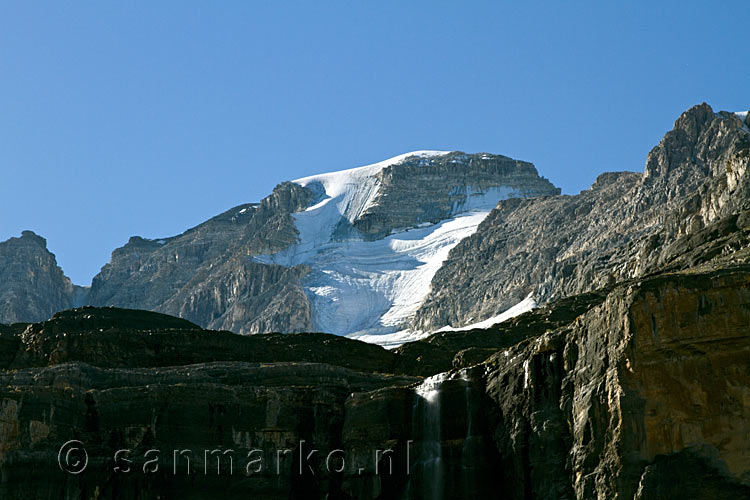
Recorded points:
(636, 392)
(619, 229)
(124, 338)
(133, 386)
(32, 285)
(446, 350)
(206, 275)
(643, 395)
(135, 380)
(429, 190)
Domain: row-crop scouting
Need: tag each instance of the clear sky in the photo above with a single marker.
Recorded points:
(146, 118)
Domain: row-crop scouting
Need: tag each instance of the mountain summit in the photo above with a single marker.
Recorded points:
(350, 252)
(32, 285)
(375, 236)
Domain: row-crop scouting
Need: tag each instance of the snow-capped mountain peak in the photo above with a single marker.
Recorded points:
(368, 283)
(345, 193)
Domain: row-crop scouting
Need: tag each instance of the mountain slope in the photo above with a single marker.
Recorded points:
(205, 275)
(32, 286)
(626, 225)
(350, 252)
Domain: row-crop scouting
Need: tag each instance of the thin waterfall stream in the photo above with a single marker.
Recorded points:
(451, 453)
(429, 470)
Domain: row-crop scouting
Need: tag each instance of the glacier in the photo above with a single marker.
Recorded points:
(368, 289)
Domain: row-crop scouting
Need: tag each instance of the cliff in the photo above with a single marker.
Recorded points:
(32, 285)
(624, 227)
(641, 392)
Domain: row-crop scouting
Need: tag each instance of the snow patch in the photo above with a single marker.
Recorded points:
(525, 305)
(395, 339)
(478, 199)
(392, 340)
(743, 116)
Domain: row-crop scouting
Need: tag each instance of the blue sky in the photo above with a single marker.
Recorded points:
(146, 118)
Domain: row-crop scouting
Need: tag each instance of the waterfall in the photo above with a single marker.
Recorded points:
(429, 471)
(471, 450)
(450, 456)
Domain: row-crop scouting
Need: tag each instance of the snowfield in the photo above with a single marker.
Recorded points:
(371, 289)
(525, 305)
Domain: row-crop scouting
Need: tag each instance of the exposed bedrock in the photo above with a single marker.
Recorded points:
(428, 190)
(205, 275)
(32, 285)
(642, 393)
(124, 338)
(621, 228)
(176, 425)
(644, 389)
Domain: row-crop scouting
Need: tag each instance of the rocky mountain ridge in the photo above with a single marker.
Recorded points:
(625, 226)
(336, 252)
(32, 285)
(259, 268)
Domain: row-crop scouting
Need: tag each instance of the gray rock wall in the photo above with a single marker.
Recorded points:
(619, 229)
(206, 274)
(32, 285)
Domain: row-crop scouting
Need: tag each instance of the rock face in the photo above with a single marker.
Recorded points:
(644, 395)
(619, 229)
(640, 392)
(33, 287)
(206, 275)
(124, 338)
(250, 270)
(420, 190)
(645, 388)
(171, 425)
(137, 381)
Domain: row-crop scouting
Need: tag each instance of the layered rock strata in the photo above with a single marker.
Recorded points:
(621, 228)
(32, 285)
(634, 392)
